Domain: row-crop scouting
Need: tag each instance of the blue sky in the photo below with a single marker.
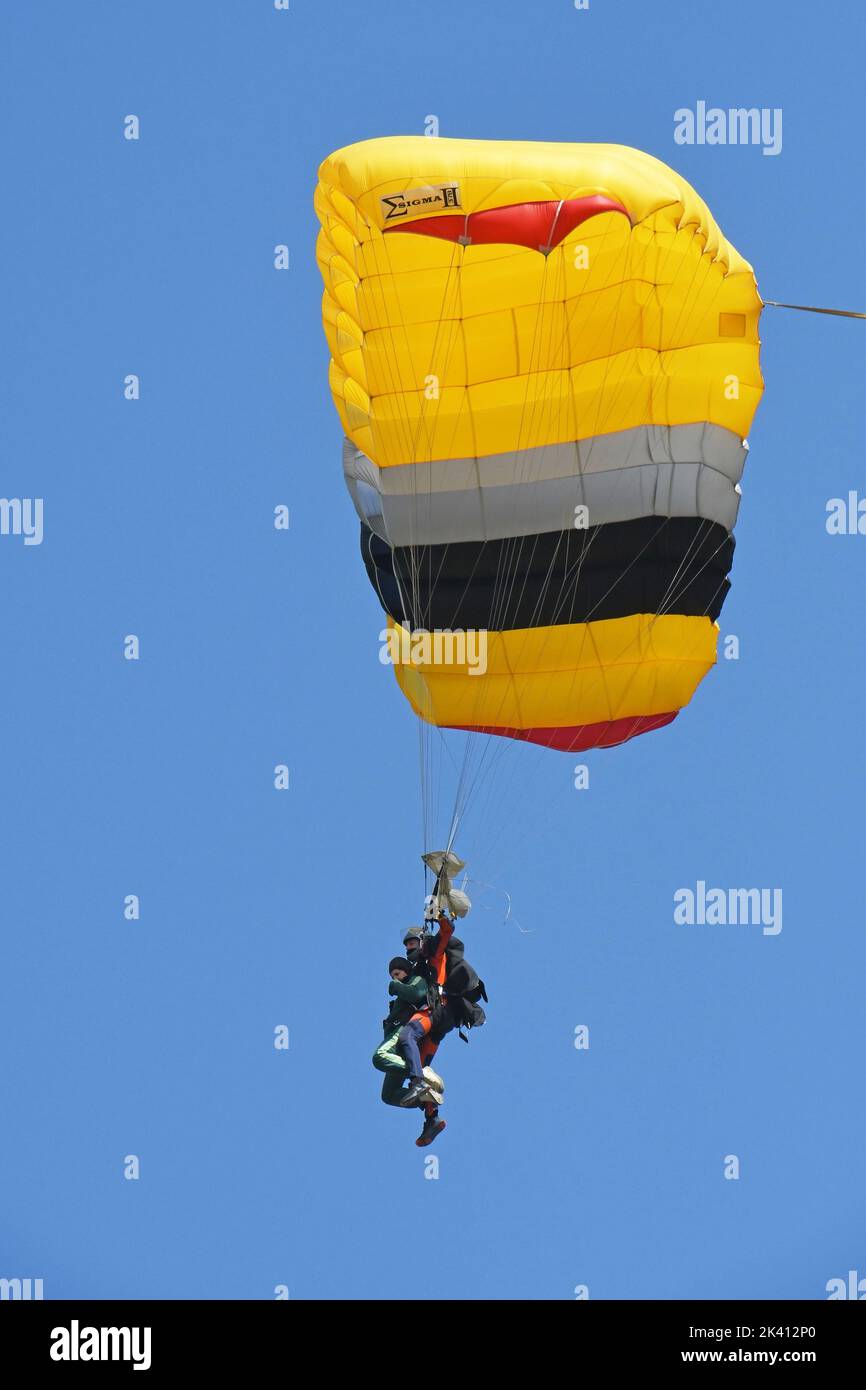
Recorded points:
(261, 908)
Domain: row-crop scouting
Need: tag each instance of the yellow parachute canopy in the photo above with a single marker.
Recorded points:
(545, 360)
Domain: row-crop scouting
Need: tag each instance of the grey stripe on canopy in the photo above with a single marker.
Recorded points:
(653, 470)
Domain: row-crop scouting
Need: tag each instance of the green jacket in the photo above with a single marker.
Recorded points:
(409, 996)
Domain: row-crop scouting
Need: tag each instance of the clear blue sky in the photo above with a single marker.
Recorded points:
(258, 908)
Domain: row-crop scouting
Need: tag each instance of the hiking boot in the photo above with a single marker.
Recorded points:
(434, 1080)
(432, 1126)
(416, 1093)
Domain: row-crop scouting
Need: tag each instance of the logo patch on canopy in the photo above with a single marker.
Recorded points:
(420, 200)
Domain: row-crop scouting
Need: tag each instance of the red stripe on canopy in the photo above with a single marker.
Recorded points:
(538, 226)
(581, 737)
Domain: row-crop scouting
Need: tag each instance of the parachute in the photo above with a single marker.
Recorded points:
(445, 897)
(545, 361)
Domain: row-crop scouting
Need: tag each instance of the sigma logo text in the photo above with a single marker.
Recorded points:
(421, 200)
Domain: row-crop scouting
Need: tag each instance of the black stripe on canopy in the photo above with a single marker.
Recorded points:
(651, 565)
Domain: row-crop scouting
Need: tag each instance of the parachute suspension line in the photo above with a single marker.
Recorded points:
(531, 428)
(424, 618)
(511, 544)
(453, 831)
(615, 395)
(557, 362)
(480, 744)
(565, 380)
(533, 417)
(461, 793)
(424, 425)
(547, 408)
(423, 421)
(391, 371)
(424, 783)
(611, 395)
(686, 568)
(814, 309)
(533, 425)
(690, 300)
(427, 420)
(461, 790)
(492, 748)
(532, 421)
(393, 381)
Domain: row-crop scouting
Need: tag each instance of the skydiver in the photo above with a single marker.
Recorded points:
(454, 988)
(409, 988)
(421, 1035)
